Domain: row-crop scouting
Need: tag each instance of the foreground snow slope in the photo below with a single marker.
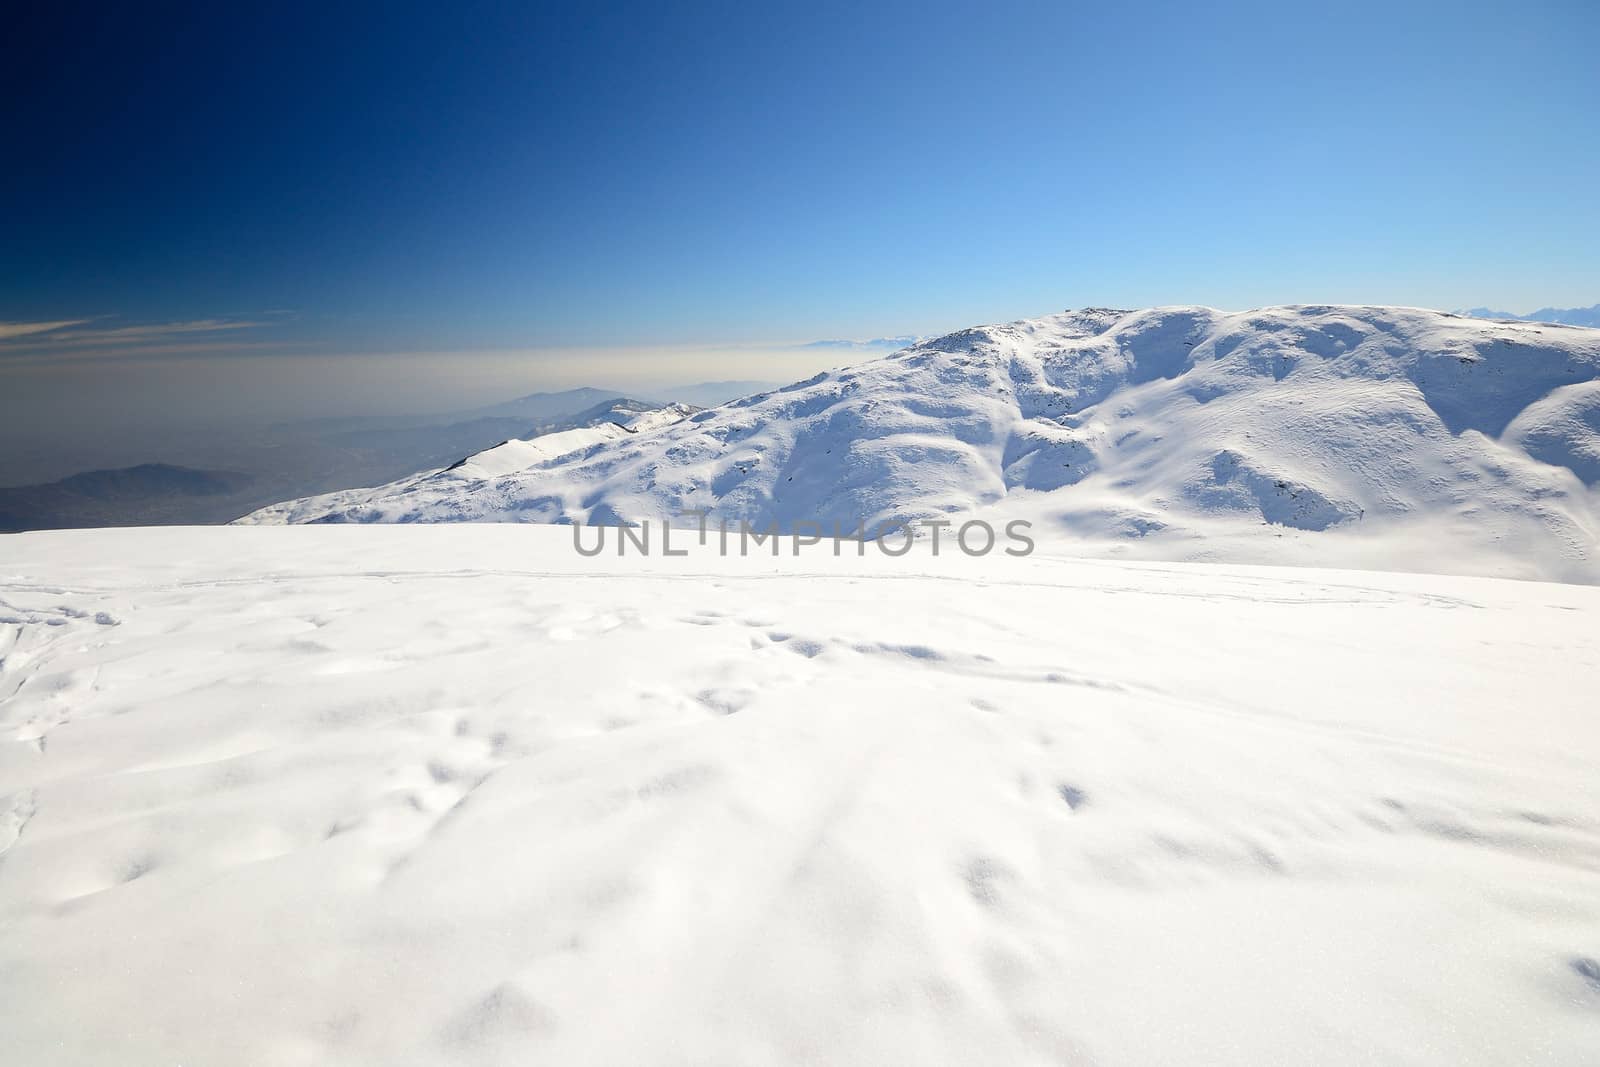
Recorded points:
(1283, 434)
(454, 795)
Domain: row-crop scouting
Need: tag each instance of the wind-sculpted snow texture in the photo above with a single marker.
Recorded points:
(1449, 441)
(455, 795)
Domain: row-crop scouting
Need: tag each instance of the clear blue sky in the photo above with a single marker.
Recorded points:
(466, 177)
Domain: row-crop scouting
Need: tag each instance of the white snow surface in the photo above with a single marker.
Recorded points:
(456, 795)
(1355, 436)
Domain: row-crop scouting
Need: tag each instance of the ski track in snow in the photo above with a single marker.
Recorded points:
(479, 800)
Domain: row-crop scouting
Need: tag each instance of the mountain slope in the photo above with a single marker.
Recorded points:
(1179, 426)
(613, 420)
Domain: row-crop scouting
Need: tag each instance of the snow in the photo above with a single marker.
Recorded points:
(1332, 436)
(457, 795)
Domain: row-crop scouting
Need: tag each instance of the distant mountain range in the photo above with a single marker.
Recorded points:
(711, 394)
(1589, 316)
(149, 493)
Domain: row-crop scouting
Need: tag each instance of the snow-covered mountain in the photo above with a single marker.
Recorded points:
(1370, 435)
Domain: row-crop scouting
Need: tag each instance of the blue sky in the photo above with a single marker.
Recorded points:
(337, 180)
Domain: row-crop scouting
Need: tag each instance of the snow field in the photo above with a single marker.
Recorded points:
(456, 795)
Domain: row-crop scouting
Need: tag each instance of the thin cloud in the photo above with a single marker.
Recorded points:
(77, 336)
(8, 330)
